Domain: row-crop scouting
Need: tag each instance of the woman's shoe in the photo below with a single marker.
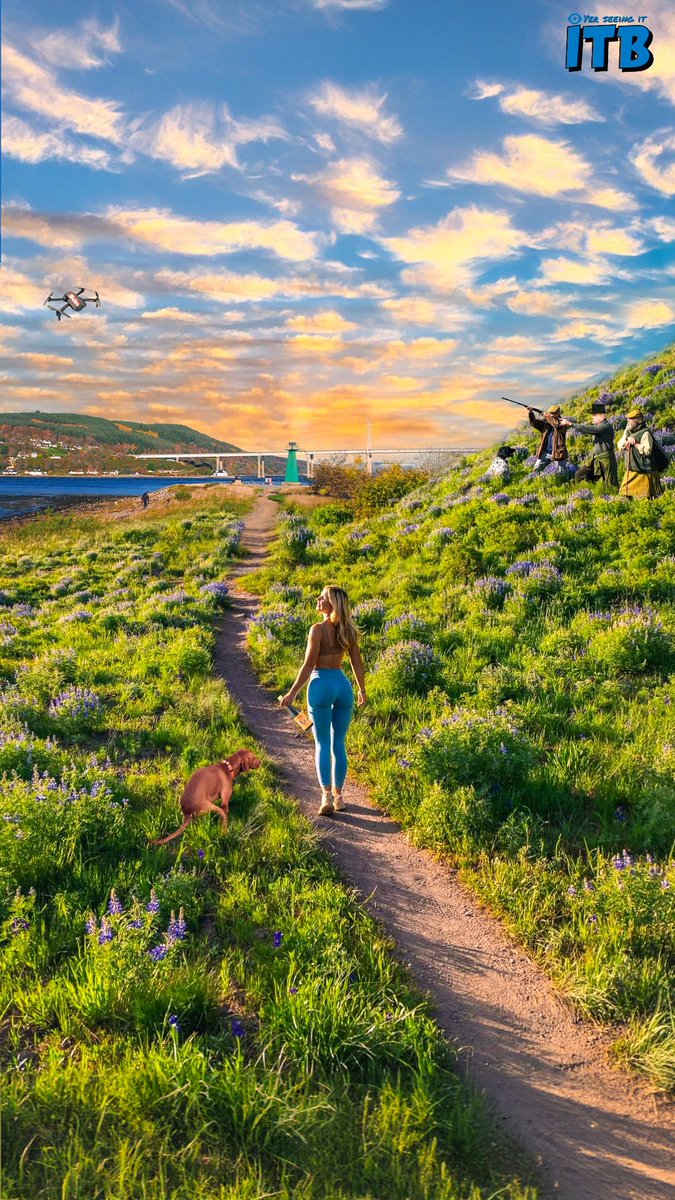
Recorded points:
(326, 808)
(339, 802)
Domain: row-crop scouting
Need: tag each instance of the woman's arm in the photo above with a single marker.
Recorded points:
(357, 665)
(311, 656)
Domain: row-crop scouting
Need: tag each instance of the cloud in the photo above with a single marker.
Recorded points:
(648, 160)
(448, 251)
(306, 343)
(546, 108)
(179, 235)
(200, 139)
(26, 144)
(664, 228)
(348, 5)
(36, 89)
(536, 303)
(568, 270)
(361, 110)
(355, 191)
(481, 90)
(539, 166)
(649, 314)
(79, 48)
(326, 322)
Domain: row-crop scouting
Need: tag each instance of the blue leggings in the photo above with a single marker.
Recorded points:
(330, 701)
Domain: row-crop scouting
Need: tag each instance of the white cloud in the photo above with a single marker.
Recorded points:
(29, 145)
(654, 160)
(568, 270)
(355, 191)
(199, 139)
(361, 110)
(448, 251)
(536, 303)
(81, 47)
(539, 166)
(348, 5)
(482, 90)
(162, 229)
(649, 314)
(36, 89)
(546, 108)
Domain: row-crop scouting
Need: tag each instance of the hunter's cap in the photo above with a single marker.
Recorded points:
(634, 412)
(598, 407)
(554, 409)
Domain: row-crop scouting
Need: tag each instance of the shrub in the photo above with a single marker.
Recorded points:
(408, 666)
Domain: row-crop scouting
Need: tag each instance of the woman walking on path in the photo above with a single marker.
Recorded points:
(330, 699)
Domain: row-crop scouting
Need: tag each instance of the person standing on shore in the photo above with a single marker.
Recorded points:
(602, 463)
(145, 499)
(330, 698)
(641, 480)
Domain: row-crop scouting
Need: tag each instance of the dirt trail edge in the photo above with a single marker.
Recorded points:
(597, 1133)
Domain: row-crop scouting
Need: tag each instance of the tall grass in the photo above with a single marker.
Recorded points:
(217, 1018)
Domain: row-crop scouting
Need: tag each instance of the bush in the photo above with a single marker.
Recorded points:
(408, 667)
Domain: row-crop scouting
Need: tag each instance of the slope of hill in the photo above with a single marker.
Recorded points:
(519, 643)
(60, 442)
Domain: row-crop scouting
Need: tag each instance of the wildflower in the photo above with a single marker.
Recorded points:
(114, 904)
(177, 930)
(404, 762)
(174, 1022)
(106, 933)
(593, 918)
(20, 925)
(153, 904)
(665, 884)
(158, 953)
(292, 991)
(201, 853)
(571, 891)
(503, 749)
(588, 886)
(619, 864)
(278, 938)
(620, 813)
(137, 924)
(90, 925)
(237, 1028)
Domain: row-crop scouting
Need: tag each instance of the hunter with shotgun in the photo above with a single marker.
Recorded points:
(552, 447)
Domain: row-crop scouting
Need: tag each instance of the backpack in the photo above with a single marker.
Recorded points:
(659, 457)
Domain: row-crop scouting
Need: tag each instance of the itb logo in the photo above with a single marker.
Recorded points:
(631, 33)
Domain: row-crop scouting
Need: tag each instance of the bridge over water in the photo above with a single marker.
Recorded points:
(292, 451)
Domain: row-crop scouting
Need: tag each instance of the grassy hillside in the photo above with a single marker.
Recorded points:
(217, 1019)
(132, 436)
(519, 643)
(80, 442)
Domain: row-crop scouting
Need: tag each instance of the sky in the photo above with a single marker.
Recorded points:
(304, 215)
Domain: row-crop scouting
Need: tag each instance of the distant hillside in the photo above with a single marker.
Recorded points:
(57, 443)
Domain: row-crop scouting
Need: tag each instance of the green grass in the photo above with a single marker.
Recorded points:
(214, 1019)
(520, 660)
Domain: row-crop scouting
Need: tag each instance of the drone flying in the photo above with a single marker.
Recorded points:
(73, 299)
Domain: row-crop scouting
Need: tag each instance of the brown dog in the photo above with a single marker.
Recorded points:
(209, 784)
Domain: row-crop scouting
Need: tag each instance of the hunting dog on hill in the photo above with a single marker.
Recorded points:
(209, 784)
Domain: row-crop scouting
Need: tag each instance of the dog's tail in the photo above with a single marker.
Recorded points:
(161, 841)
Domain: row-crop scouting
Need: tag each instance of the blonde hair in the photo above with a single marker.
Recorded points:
(346, 633)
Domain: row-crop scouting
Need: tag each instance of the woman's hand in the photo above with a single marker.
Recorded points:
(361, 699)
(287, 699)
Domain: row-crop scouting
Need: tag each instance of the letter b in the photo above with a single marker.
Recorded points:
(634, 52)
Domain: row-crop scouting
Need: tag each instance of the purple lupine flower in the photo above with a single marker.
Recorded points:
(278, 938)
(405, 763)
(653, 369)
(292, 991)
(153, 903)
(201, 853)
(665, 884)
(501, 498)
(177, 929)
(19, 925)
(174, 1022)
(114, 904)
(106, 933)
(91, 925)
(157, 953)
(75, 702)
(571, 891)
(219, 591)
(588, 886)
(137, 924)
(237, 1028)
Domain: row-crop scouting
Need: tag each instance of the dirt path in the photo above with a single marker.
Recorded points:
(597, 1134)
